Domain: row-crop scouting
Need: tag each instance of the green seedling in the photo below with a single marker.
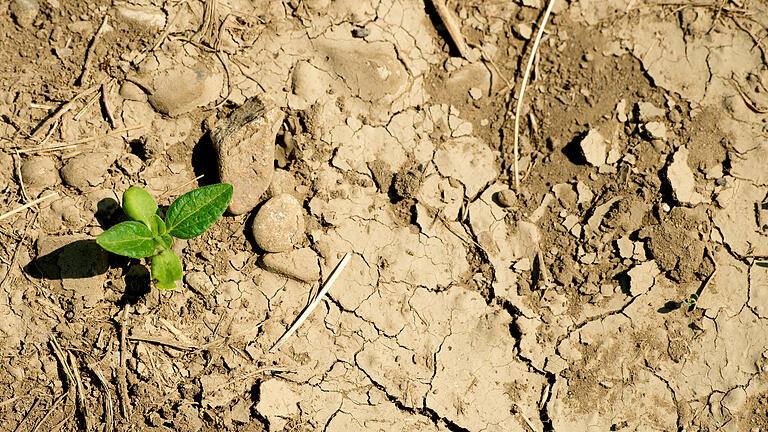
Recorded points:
(149, 236)
(691, 301)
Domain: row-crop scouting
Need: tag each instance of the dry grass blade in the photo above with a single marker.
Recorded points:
(522, 88)
(26, 416)
(81, 406)
(51, 122)
(74, 143)
(316, 301)
(27, 205)
(89, 51)
(122, 383)
(109, 410)
(50, 410)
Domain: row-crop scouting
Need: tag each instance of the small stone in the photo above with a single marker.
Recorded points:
(524, 31)
(607, 290)
(523, 265)
(130, 163)
(24, 11)
(536, 4)
(475, 93)
(131, 91)
(177, 85)
(647, 111)
(39, 173)
(506, 198)
(621, 111)
(593, 148)
(656, 130)
(681, 180)
(589, 288)
(588, 258)
(642, 277)
(147, 17)
(300, 264)
(625, 246)
(279, 224)
(87, 169)
(200, 282)
(245, 149)
(585, 195)
(675, 116)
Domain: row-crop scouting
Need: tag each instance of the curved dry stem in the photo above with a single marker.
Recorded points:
(522, 87)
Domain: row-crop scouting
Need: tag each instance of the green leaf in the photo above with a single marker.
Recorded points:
(194, 212)
(131, 239)
(157, 226)
(166, 270)
(164, 241)
(139, 205)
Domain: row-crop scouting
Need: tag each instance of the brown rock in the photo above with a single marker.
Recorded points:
(279, 224)
(245, 147)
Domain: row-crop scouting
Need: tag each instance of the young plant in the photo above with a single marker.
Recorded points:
(148, 235)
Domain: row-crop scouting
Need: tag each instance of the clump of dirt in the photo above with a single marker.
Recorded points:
(676, 243)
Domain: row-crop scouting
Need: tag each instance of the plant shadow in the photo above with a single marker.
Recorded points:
(80, 259)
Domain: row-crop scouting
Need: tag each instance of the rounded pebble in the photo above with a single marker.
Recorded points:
(39, 172)
(87, 169)
(279, 224)
(199, 282)
(506, 198)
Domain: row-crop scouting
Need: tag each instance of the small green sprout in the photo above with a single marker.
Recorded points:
(148, 235)
(690, 301)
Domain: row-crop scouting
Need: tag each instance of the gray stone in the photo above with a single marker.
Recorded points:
(245, 149)
(279, 224)
(39, 173)
(300, 264)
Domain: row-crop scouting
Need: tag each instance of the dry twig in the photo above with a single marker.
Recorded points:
(122, 384)
(79, 390)
(26, 416)
(27, 205)
(522, 87)
(453, 28)
(53, 406)
(312, 305)
(89, 51)
(109, 410)
(52, 122)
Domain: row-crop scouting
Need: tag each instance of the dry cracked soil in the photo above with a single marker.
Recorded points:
(622, 287)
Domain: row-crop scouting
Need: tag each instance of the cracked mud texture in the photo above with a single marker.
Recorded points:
(466, 305)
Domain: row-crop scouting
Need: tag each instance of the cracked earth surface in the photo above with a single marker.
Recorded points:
(466, 305)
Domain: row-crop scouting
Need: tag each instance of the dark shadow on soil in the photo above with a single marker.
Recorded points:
(138, 283)
(437, 22)
(77, 260)
(669, 306)
(572, 150)
(204, 161)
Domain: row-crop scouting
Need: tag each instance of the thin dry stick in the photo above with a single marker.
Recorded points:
(80, 392)
(108, 109)
(122, 384)
(9, 401)
(161, 341)
(319, 297)
(27, 205)
(85, 107)
(26, 416)
(17, 164)
(109, 410)
(53, 120)
(50, 410)
(453, 28)
(522, 87)
(89, 51)
(74, 143)
(182, 186)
